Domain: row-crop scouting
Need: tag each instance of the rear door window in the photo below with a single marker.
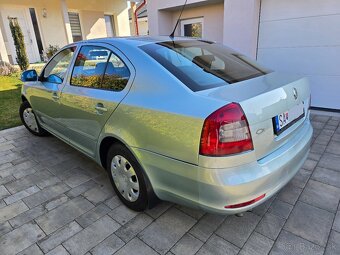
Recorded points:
(116, 74)
(98, 67)
(90, 66)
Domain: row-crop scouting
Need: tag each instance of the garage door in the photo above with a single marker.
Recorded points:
(303, 36)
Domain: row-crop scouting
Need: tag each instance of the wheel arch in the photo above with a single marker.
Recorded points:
(23, 98)
(104, 147)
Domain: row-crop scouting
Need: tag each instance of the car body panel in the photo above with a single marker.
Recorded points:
(272, 96)
(40, 96)
(211, 189)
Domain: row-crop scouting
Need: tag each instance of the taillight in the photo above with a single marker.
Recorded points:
(226, 131)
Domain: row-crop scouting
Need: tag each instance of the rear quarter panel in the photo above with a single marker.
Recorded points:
(159, 114)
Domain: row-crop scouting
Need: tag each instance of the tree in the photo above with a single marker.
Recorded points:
(19, 43)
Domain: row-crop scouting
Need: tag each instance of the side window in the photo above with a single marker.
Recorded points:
(90, 66)
(116, 74)
(56, 69)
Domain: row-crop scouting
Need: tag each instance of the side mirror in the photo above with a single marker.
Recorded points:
(29, 75)
(54, 79)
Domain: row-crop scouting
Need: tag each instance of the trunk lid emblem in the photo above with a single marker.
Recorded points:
(295, 93)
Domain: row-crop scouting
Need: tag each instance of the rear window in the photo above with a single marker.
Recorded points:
(203, 65)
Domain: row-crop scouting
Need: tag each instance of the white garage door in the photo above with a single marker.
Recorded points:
(303, 36)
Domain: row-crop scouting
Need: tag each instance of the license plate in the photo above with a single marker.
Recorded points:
(284, 120)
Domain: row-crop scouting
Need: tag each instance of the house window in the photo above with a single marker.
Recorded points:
(192, 27)
(36, 30)
(75, 26)
(109, 25)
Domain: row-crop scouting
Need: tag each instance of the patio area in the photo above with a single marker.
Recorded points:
(53, 200)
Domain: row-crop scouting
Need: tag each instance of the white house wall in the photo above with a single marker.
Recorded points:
(240, 25)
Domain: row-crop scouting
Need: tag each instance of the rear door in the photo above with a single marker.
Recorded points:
(100, 78)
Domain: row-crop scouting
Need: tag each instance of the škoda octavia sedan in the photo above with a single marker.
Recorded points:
(183, 120)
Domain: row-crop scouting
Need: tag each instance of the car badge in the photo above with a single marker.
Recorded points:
(295, 93)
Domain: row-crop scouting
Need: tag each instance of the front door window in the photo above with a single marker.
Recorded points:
(56, 69)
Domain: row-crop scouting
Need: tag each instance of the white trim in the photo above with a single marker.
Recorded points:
(191, 21)
(28, 21)
(32, 34)
(111, 25)
(66, 22)
(3, 50)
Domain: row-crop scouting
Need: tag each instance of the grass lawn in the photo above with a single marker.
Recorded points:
(10, 98)
(10, 101)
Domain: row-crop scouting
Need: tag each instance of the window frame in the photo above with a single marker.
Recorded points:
(111, 52)
(42, 76)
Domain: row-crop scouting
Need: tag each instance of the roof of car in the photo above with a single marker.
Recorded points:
(138, 40)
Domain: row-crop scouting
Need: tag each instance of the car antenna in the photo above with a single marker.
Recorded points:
(179, 18)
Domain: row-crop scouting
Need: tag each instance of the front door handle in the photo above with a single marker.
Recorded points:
(55, 96)
(100, 109)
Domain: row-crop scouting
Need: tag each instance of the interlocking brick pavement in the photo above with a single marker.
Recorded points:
(53, 200)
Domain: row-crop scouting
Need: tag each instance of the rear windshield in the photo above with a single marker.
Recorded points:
(203, 65)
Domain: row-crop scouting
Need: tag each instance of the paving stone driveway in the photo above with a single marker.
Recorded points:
(53, 200)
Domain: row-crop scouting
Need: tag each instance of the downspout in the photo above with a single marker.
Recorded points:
(136, 18)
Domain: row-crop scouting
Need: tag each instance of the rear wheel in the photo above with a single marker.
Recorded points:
(29, 120)
(127, 177)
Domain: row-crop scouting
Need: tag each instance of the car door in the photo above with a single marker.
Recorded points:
(101, 77)
(45, 98)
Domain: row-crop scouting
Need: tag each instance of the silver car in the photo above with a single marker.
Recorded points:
(176, 119)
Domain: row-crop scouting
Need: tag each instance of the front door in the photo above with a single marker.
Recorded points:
(45, 98)
(23, 16)
(100, 79)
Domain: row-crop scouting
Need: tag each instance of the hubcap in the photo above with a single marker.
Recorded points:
(30, 120)
(125, 178)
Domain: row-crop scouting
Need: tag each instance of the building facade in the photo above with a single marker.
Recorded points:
(142, 20)
(59, 22)
(300, 36)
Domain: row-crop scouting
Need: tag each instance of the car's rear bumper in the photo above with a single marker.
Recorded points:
(212, 189)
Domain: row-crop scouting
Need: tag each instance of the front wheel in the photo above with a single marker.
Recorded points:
(29, 120)
(127, 177)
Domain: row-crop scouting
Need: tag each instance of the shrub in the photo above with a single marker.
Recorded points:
(50, 51)
(7, 69)
(19, 43)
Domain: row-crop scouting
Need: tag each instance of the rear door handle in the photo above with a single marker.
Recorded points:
(55, 96)
(100, 108)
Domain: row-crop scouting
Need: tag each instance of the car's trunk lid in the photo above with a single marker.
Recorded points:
(263, 98)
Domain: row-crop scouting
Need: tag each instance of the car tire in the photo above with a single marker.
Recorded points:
(127, 177)
(29, 120)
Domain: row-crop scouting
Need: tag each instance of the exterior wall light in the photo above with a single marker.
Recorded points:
(44, 12)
